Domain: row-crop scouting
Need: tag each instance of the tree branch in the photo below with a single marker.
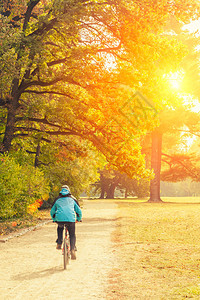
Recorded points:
(178, 161)
(58, 132)
(110, 48)
(43, 121)
(49, 64)
(188, 131)
(44, 28)
(48, 92)
(45, 84)
(30, 7)
(31, 152)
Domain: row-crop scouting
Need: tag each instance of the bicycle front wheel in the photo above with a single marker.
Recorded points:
(65, 255)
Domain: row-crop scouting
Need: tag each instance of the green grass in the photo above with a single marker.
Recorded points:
(160, 244)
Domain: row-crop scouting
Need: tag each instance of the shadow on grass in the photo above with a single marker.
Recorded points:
(154, 203)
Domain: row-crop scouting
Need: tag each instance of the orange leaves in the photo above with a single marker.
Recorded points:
(71, 152)
(14, 8)
(14, 223)
(33, 207)
(65, 155)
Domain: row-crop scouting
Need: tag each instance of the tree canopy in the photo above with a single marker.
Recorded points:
(72, 69)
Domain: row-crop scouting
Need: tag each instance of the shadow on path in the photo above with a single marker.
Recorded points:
(37, 274)
(91, 220)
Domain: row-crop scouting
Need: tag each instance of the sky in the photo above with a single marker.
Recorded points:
(194, 26)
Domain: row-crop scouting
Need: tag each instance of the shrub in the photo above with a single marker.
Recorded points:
(20, 186)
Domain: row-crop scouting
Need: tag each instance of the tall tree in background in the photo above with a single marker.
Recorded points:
(169, 161)
(183, 165)
(156, 150)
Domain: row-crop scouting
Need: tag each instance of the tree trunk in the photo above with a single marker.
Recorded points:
(111, 191)
(156, 166)
(126, 193)
(102, 194)
(104, 186)
(103, 191)
(37, 155)
(12, 110)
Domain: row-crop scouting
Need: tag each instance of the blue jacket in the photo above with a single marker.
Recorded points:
(65, 208)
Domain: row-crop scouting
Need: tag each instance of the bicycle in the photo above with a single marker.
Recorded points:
(66, 248)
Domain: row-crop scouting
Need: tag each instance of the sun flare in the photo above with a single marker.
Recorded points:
(174, 79)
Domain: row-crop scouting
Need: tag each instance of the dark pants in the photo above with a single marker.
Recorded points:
(71, 229)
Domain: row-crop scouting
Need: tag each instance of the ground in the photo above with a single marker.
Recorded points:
(127, 250)
(31, 267)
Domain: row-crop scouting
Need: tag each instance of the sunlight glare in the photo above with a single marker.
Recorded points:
(193, 27)
(174, 79)
(191, 103)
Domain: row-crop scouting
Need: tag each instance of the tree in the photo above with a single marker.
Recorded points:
(41, 68)
(112, 180)
(107, 183)
(156, 166)
(56, 57)
(181, 166)
(176, 165)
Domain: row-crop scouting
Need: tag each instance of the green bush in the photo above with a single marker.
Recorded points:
(20, 186)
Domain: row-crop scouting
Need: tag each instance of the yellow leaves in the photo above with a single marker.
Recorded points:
(75, 171)
(55, 188)
(45, 196)
(43, 66)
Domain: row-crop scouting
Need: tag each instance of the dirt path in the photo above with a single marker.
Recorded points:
(31, 267)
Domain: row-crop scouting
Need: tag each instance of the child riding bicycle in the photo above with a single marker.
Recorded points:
(66, 210)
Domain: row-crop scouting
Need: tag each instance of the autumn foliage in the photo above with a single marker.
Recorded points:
(70, 76)
(34, 206)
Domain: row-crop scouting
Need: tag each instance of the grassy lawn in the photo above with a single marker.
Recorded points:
(160, 249)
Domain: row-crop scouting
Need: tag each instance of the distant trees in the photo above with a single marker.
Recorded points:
(113, 182)
(185, 188)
